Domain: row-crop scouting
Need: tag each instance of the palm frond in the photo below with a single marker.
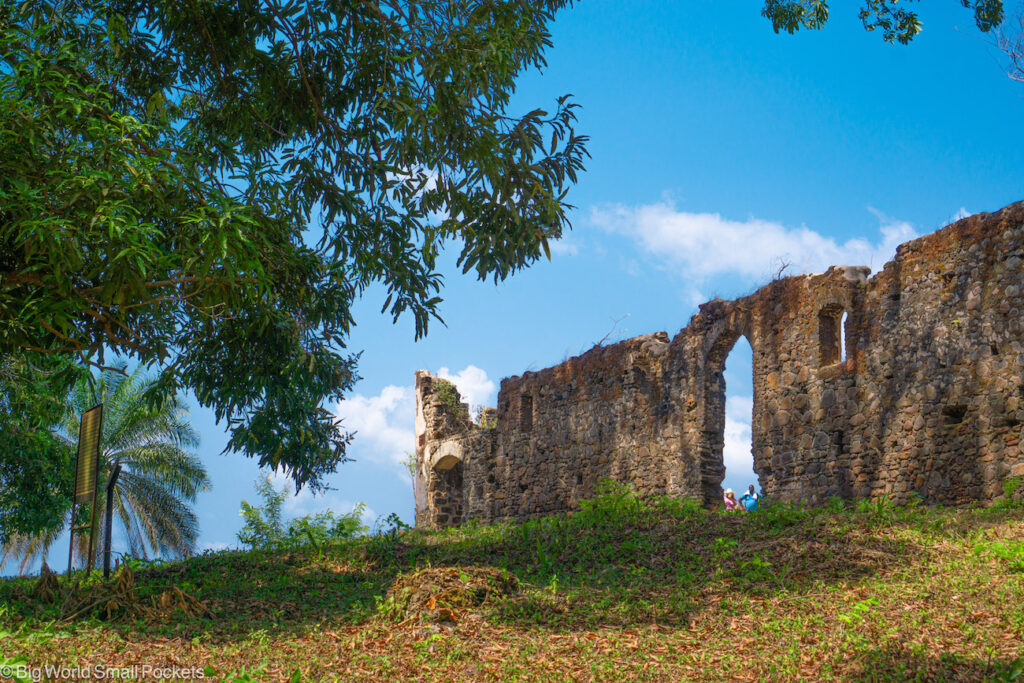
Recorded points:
(168, 524)
(180, 471)
(28, 548)
(136, 544)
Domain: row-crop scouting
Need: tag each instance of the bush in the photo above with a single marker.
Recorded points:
(1012, 489)
(265, 528)
(484, 419)
(449, 396)
(778, 515)
(613, 503)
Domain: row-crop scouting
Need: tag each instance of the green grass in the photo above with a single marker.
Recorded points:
(623, 589)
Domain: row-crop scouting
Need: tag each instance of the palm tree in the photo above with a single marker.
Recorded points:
(160, 475)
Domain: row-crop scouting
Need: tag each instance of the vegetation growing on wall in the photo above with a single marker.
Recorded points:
(484, 418)
(449, 396)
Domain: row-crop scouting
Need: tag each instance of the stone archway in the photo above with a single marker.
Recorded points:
(447, 455)
(445, 491)
(719, 342)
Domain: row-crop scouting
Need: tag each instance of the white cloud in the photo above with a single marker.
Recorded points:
(473, 385)
(215, 546)
(632, 267)
(959, 215)
(706, 244)
(740, 408)
(383, 424)
(306, 503)
(564, 247)
(693, 296)
(419, 179)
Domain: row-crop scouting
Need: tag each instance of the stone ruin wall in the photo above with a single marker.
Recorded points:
(929, 399)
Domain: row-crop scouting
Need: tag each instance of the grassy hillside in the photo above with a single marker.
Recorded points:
(622, 590)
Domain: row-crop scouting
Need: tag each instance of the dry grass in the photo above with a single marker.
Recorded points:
(622, 590)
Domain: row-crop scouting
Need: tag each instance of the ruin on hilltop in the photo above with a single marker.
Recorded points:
(928, 400)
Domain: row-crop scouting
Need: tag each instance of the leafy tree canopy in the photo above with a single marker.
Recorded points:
(895, 21)
(209, 186)
(31, 404)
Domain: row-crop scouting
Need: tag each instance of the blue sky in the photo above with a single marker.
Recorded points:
(720, 151)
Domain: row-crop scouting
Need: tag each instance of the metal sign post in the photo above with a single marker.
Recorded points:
(87, 469)
(111, 483)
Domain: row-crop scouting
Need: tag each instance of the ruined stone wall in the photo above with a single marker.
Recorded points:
(929, 398)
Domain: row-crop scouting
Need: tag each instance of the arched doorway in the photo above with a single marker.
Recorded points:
(737, 453)
(726, 458)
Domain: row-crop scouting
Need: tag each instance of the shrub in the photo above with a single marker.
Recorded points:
(449, 396)
(779, 515)
(614, 502)
(265, 527)
(484, 419)
(1011, 486)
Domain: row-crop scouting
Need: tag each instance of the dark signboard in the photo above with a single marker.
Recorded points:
(88, 455)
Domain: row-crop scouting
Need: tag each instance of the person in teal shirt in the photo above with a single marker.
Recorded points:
(750, 499)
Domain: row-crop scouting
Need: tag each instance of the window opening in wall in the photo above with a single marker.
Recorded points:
(832, 338)
(737, 451)
(842, 337)
(525, 412)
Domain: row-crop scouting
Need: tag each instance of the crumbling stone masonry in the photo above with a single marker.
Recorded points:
(929, 398)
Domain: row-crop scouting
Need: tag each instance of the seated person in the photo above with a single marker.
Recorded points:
(730, 500)
(750, 499)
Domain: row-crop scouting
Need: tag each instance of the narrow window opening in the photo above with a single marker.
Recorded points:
(994, 349)
(842, 337)
(526, 412)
